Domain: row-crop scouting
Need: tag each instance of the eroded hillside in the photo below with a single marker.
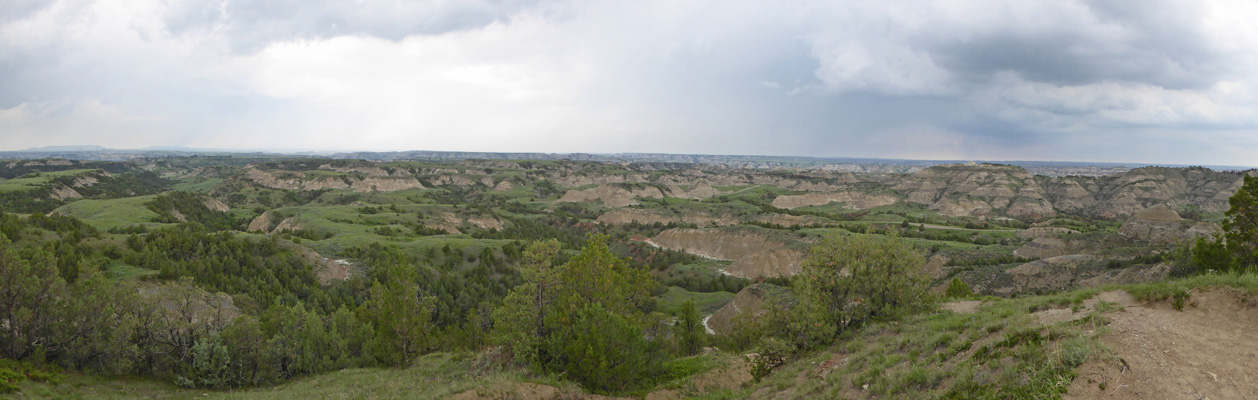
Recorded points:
(273, 232)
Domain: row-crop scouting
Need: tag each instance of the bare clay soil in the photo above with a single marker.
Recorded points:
(1207, 351)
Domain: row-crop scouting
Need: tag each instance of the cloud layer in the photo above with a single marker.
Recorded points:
(1159, 81)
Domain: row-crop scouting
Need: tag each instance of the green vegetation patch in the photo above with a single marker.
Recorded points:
(674, 297)
(433, 376)
(112, 213)
(999, 352)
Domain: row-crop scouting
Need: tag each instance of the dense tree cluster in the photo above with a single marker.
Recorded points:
(123, 183)
(1236, 249)
(845, 281)
(585, 318)
(175, 207)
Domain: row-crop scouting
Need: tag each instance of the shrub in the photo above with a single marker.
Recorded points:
(771, 354)
(851, 279)
(604, 352)
(958, 288)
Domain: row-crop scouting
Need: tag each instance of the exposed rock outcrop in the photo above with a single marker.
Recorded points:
(269, 222)
(653, 216)
(453, 180)
(752, 254)
(612, 196)
(1059, 273)
(215, 204)
(1162, 225)
(768, 263)
(297, 180)
(288, 224)
(1132, 191)
(261, 223)
(790, 220)
(60, 192)
(700, 190)
(853, 200)
(1043, 247)
(504, 186)
(977, 190)
(486, 222)
(752, 301)
(1153, 273)
(379, 184)
(85, 180)
(1053, 273)
(293, 180)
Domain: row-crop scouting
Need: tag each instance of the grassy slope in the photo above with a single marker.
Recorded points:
(33, 182)
(1001, 351)
(432, 376)
(707, 303)
(106, 214)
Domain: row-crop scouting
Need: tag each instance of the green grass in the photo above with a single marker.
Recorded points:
(351, 228)
(732, 188)
(5, 187)
(111, 213)
(433, 376)
(1159, 291)
(708, 303)
(33, 181)
(1000, 352)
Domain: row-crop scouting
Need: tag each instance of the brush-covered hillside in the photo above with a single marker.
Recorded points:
(288, 277)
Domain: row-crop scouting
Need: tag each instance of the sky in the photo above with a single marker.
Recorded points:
(1156, 81)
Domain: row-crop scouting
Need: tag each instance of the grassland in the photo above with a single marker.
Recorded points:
(433, 376)
(34, 181)
(708, 303)
(112, 213)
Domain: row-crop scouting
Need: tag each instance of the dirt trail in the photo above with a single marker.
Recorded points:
(1207, 351)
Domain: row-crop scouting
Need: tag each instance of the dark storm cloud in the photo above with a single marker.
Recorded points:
(930, 79)
(1158, 44)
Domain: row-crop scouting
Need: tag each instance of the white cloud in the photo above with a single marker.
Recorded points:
(892, 78)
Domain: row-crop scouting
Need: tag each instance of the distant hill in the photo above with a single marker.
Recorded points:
(50, 149)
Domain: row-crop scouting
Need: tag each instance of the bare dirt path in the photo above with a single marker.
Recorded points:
(1207, 351)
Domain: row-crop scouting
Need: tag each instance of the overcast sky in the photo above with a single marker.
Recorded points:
(1130, 81)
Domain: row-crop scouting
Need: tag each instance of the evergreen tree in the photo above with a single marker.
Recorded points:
(689, 329)
(1240, 227)
(605, 352)
(403, 318)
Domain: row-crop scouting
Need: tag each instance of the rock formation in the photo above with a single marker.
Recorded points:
(853, 200)
(663, 217)
(612, 196)
(751, 301)
(1162, 225)
(1043, 247)
(752, 254)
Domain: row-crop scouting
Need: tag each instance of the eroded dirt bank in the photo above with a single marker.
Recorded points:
(1207, 351)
